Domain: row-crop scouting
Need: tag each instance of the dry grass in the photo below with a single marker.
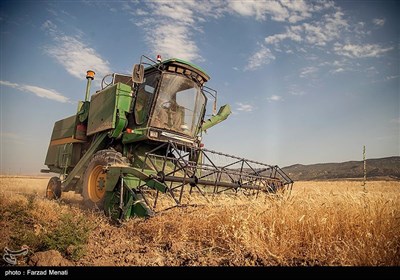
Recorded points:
(321, 223)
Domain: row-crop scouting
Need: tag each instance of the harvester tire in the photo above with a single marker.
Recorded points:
(53, 190)
(94, 178)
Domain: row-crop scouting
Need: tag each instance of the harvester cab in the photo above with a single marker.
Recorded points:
(140, 135)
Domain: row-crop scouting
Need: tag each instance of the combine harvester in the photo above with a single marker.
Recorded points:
(140, 136)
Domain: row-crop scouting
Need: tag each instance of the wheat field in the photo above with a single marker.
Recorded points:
(324, 223)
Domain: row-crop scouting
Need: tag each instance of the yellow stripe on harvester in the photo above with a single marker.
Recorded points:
(64, 141)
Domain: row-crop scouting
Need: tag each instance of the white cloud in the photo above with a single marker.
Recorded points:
(245, 8)
(259, 58)
(260, 9)
(330, 28)
(275, 98)
(278, 10)
(299, 9)
(308, 71)
(170, 32)
(9, 84)
(314, 33)
(38, 91)
(360, 51)
(49, 27)
(174, 25)
(173, 40)
(388, 78)
(244, 107)
(360, 29)
(289, 34)
(177, 12)
(46, 93)
(295, 90)
(73, 54)
(141, 12)
(210, 8)
(338, 70)
(341, 65)
(173, 28)
(379, 21)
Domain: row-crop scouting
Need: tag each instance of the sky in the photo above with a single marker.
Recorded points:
(307, 81)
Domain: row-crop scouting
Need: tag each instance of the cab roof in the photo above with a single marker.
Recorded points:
(182, 67)
(186, 63)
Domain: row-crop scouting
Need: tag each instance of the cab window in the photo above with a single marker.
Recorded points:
(145, 97)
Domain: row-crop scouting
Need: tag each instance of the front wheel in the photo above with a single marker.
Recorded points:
(94, 179)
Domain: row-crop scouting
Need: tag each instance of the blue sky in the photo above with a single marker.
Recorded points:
(308, 81)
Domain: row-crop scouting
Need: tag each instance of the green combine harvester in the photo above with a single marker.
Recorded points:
(140, 136)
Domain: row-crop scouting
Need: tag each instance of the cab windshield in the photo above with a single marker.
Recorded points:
(179, 105)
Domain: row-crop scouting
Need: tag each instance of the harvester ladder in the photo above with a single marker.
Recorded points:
(65, 159)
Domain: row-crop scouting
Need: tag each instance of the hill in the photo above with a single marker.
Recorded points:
(388, 167)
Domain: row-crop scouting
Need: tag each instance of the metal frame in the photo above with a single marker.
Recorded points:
(177, 168)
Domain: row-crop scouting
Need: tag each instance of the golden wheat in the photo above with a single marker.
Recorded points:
(320, 223)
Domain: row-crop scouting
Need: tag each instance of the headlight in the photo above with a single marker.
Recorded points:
(153, 134)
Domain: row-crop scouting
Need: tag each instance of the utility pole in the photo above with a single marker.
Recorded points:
(365, 169)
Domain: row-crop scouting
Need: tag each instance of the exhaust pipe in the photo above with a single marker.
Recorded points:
(90, 78)
(83, 107)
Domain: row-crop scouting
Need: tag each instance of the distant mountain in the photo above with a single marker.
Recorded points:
(380, 167)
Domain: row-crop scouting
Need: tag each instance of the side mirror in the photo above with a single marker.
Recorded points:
(138, 73)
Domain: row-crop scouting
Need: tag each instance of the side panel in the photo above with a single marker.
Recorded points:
(69, 154)
(105, 105)
(64, 128)
(51, 157)
(63, 149)
(123, 105)
(102, 110)
(61, 155)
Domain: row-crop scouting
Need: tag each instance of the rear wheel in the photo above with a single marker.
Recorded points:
(94, 179)
(53, 190)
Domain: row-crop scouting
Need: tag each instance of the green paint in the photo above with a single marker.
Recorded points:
(136, 135)
(198, 68)
(107, 115)
(131, 173)
(63, 128)
(108, 110)
(133, 204)
(97, 145)
(222, 115)
(122, 107)
(87, 93)
(83, 110)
